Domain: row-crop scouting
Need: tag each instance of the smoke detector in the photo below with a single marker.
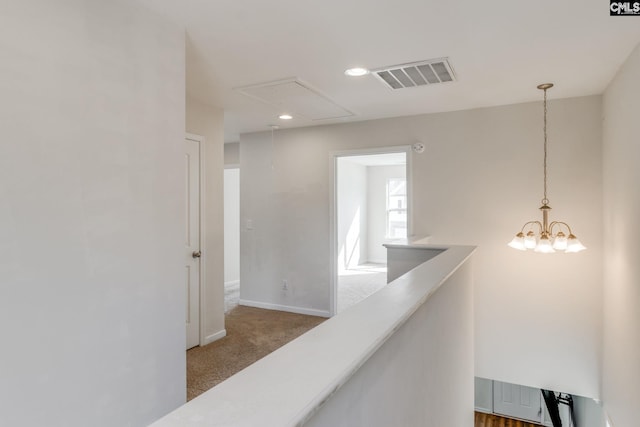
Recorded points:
(415, 74)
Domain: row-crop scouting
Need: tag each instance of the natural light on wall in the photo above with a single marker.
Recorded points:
(351, 249)
(396, 208)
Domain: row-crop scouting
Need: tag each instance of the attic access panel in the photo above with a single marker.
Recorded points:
(296, 97)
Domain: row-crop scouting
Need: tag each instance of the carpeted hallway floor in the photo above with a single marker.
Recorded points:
(252, 333)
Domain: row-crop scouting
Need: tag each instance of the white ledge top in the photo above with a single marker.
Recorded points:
(413, 242)
(288, 386)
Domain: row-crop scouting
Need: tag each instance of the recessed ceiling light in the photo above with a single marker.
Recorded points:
(356, 72)
(285, 117)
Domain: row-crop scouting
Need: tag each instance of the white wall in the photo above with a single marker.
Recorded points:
(400, 259)
(483, 395)
(232, 154)
(377, 177)
(621, 151)
(588, 413)
(352, 213)
(421, 376)
(289, 224)
(538, 320)
(91, 219)
(231, 225)
(207, 121)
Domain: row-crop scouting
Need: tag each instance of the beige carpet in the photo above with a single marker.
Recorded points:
(357, 283)
(252, 333)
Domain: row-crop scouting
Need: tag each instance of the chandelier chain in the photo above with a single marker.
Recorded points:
(545, 200)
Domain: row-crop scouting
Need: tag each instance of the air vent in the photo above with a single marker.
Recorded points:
(416, 74)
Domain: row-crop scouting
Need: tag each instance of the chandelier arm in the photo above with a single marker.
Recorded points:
(554, 223)
(538, 223)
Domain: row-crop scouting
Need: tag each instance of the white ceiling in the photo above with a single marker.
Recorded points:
(499, 49)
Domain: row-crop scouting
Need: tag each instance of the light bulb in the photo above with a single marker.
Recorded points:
(356, 72)
(574, 245)
(544, 245)
(560, 242)
(530, 240)
(518, 242)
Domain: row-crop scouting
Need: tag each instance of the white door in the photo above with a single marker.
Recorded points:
(517, 401)
(192, 241)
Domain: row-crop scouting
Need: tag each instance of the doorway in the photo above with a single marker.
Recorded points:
(371, 208)
(231, 238)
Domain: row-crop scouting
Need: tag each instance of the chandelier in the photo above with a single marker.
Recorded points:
(545, 236)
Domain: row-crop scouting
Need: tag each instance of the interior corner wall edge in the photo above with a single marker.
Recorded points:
(91, 218)
(621, 151)
(537, 318)
(208, 122)
(231, 226)
(231, 154)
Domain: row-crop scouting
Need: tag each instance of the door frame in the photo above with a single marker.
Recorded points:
(333, 207)
(201, 320)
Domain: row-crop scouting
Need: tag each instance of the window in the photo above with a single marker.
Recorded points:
(396, 208)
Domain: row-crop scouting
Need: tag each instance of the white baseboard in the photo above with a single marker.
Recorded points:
(232, 283)
(214, 337)
(288, 308)
(376, 261)
(483, 410)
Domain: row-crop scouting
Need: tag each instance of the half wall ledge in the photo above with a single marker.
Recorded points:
(403, 356)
